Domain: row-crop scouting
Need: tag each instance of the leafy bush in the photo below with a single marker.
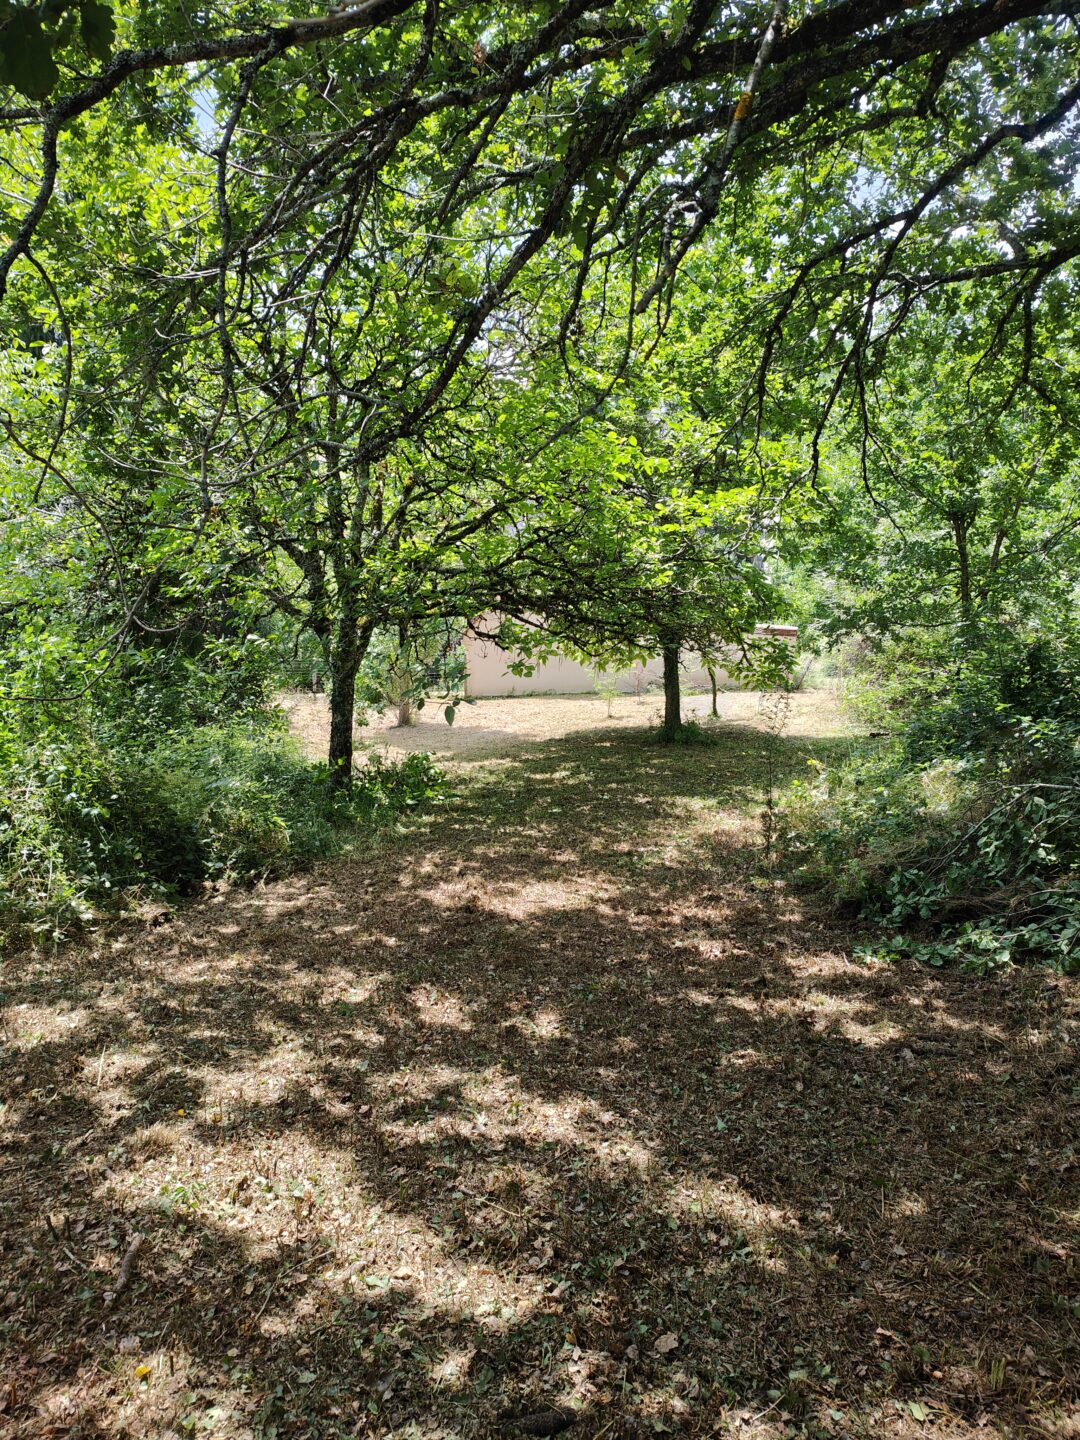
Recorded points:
(961, 839)
(208, 680)
(50, 672)
(947, 861)
(81, 822)
(975, 695)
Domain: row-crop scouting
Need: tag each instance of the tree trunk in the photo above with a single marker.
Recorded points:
(349, 649)
(672, 708)
(404, 714)
(342, 706)
(712, 681)
(960, 526)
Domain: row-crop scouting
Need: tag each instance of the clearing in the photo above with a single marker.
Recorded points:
(554, 1097)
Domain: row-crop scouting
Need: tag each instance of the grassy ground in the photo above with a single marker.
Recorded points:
(489, 729)
(556, 1098)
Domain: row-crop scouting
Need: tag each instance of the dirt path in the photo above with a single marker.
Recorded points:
(554, 1098)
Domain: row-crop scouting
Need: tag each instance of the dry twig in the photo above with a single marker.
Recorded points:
(127, 1267)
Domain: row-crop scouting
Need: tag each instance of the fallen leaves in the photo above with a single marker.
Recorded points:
(631, 1206)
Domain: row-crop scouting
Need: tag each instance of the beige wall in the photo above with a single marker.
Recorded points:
(488, 674)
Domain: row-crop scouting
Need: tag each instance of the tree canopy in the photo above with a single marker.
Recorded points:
(405, 311)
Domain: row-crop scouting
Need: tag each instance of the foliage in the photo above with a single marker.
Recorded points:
(996, 692)
(945, 561)
(85, 823)
(405, 668)
(30, 36)
(394, 295)
(951, 501)
(960, 838)
(354, 325)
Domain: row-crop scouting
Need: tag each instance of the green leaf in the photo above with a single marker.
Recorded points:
(26, 56)
(98, 29)
(449, 712)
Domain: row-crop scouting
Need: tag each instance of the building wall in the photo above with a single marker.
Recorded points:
(488, 673)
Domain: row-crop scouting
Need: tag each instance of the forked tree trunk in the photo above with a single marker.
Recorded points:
(672, 707)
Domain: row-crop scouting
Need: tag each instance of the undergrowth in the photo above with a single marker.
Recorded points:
(88, 824)
(959, 840)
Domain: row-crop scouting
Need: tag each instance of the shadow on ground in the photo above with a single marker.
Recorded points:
(557, 1098)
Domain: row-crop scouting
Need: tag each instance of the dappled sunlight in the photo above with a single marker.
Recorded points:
(438, 1007)
(162, 1384)
(734, 1220)
(840, 1015)
(698, 997)
(483, 731)
(27, 1026)
(542, 1024)
(475, 1124)
(904, 1207)
(519, 902)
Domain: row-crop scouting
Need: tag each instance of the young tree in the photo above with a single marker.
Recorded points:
(405, 668)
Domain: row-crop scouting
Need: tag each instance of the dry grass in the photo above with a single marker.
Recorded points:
(487, 728)
(553, 1099)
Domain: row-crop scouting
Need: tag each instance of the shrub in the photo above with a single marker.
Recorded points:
(945, 860)
(976, 695)
(83, 823)
(206, 680)
(961, 839)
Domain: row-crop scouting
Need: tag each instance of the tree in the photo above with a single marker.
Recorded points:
(368, 232)
(859, 129)
(665, 560)
(961, 513)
